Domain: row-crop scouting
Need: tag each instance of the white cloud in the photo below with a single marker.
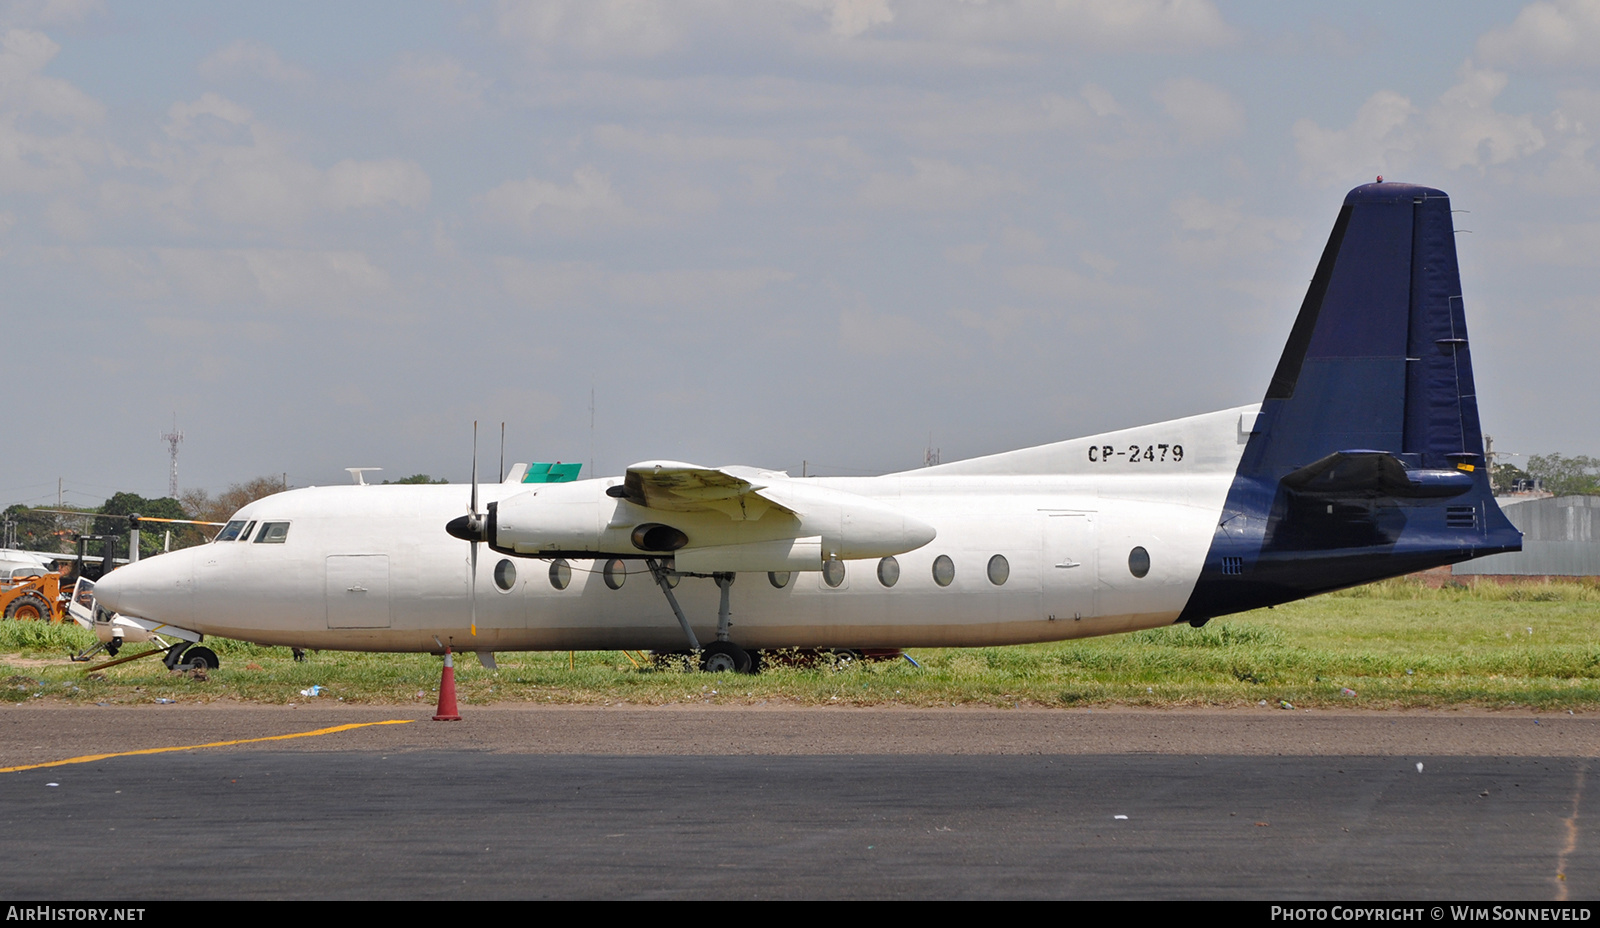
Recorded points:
(853, 17)
(1072, 289)
(439, 83)
(594, 29)
(1466, 130)
(850, 18)
(317, 280)
(1562, 34)
(883, 335)
(1002, 322)
(225, 164)
(1150, 25)
(1100, 100)
(575, 286)
(277, 278)
(1371, 144)
(49, 12)
(1223, 233)
(1461, 130)
(697, 148)
(43, 145)
(246, 58)
(537, 204)
(936, 185)
(1204, 113)
(1562, 245)
(367, 184)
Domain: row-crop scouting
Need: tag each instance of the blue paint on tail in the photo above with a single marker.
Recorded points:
(1367, 458)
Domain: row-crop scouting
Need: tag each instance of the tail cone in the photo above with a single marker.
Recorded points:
(447, 692)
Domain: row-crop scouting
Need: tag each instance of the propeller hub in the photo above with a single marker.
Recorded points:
(471, 527)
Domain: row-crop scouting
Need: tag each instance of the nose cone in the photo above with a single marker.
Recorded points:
(157, 588)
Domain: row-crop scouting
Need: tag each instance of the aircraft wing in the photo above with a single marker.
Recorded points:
(674, 486)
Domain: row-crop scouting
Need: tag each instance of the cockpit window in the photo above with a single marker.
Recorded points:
(273, 533)
(248, 527)
(230, 532)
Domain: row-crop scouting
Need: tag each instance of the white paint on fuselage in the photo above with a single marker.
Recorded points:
(1064, 519)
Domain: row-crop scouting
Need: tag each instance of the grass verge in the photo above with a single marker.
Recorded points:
(1390, 644)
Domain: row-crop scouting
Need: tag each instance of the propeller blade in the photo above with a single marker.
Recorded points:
(472, 593)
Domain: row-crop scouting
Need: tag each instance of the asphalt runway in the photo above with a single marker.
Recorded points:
(393, 812)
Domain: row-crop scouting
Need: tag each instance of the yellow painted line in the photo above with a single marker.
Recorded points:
(214, 744)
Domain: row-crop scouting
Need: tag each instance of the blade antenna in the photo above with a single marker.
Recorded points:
(502, 478)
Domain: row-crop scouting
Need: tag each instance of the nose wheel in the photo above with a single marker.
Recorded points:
(196, 657)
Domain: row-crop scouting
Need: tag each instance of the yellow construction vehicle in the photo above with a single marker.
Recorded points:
(35, 596)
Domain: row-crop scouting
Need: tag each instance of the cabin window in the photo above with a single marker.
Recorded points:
(230, 532)
(1138, 562)
(779, 578)
(888, 571)
(944, 570)
(273, 533)
(616, 573)
(560, 573)
(833, 572)
(999, 569)
(505, 575)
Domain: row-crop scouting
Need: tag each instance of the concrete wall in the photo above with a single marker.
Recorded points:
(1560, 537)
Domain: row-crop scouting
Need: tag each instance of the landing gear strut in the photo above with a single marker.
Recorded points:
(722, 655)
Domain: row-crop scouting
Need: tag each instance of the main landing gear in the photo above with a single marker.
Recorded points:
(722, 655)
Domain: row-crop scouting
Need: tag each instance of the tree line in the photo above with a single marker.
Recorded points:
(1578, 475)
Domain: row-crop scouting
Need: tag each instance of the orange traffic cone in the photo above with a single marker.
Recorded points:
(447, 692)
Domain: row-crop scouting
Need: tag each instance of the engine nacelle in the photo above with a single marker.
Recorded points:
(808, 524)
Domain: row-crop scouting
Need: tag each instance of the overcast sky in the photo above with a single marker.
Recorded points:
(325, 235)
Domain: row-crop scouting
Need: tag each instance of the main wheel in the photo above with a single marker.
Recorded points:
(28, 606)
(724, 657)
(840, 658)
(198, 658)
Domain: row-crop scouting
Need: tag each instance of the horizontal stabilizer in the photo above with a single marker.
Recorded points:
(1373, 474)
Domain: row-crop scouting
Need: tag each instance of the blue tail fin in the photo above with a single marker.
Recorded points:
(1367, 457)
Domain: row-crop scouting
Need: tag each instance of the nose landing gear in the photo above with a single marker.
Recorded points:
(182, 656)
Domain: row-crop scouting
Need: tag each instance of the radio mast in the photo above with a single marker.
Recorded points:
(172, 439)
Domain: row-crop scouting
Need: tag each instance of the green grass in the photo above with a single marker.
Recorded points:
(1393, 644)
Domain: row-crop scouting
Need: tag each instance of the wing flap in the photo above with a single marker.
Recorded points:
(674, 486)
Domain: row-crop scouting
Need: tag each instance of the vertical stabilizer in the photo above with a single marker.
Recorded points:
(1367, 457)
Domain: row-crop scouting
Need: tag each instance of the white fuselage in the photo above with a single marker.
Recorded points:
(372, 568)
